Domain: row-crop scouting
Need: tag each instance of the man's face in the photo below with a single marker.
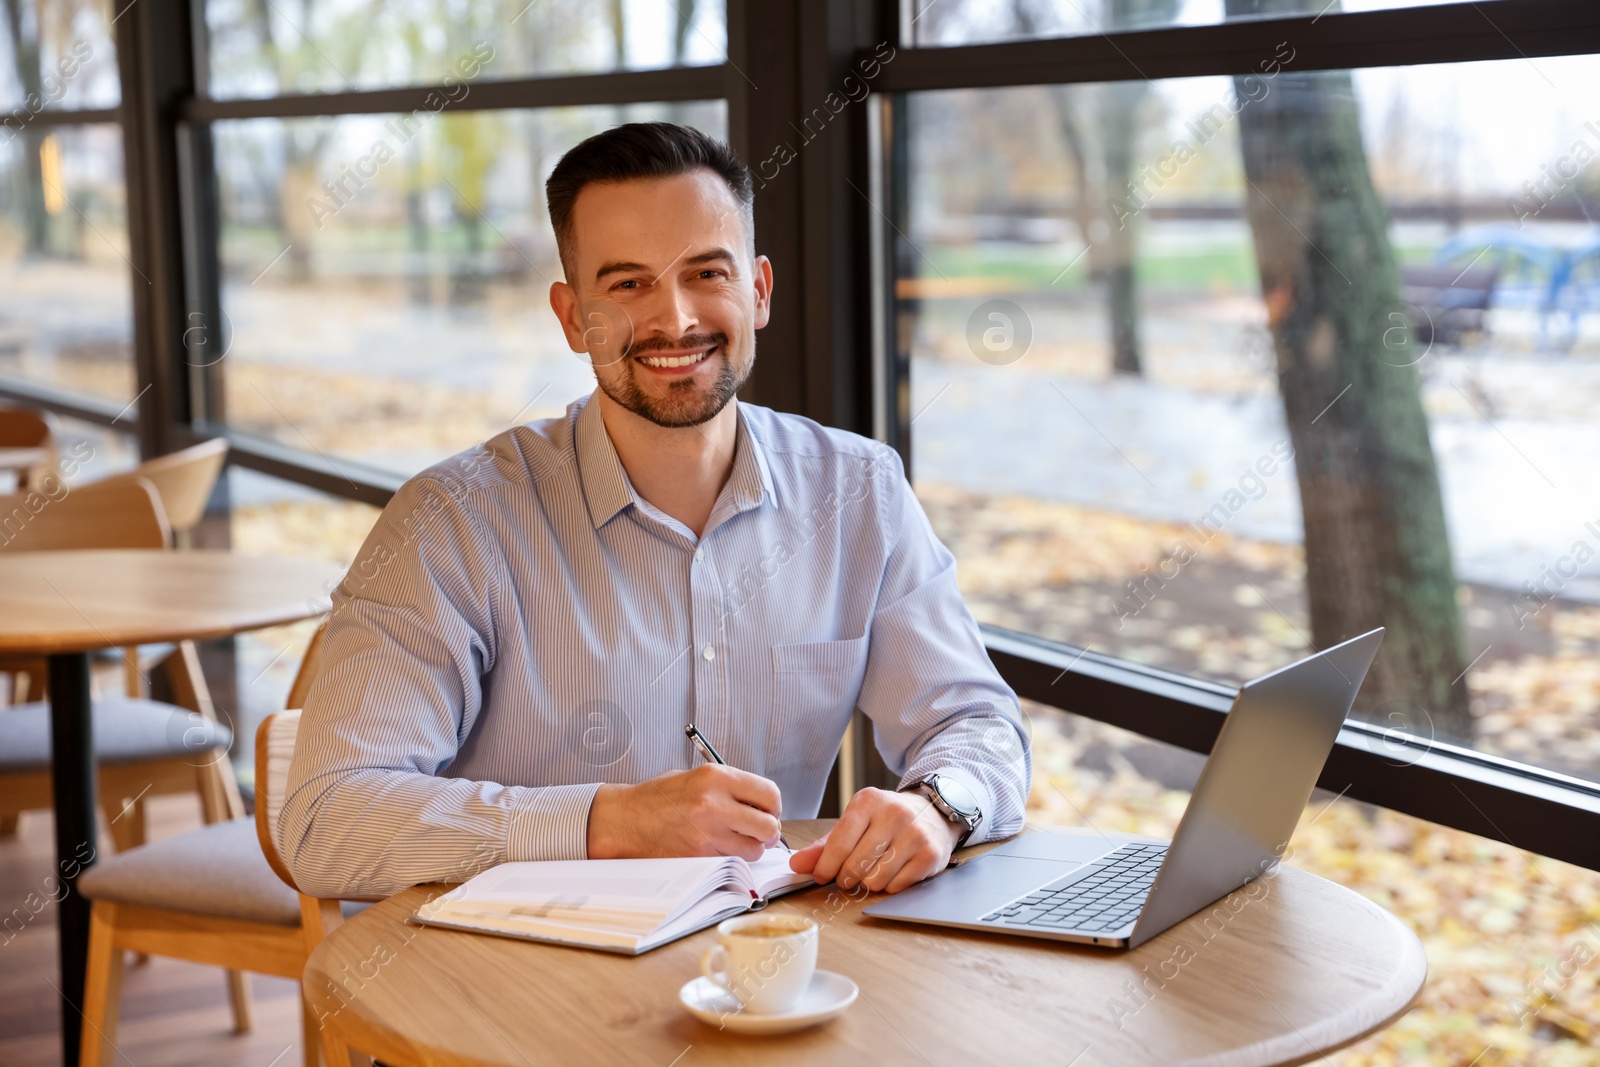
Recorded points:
(664, 297)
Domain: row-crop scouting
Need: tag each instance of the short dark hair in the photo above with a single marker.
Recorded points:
(640, 150)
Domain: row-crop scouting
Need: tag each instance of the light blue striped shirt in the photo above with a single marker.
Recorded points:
(521, 626)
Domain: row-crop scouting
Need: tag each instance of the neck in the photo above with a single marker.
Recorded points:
(680, 470)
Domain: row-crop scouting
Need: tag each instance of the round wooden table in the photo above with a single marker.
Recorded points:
(1288, 971)
(66, 604)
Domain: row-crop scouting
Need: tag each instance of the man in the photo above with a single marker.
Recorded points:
(514, 655)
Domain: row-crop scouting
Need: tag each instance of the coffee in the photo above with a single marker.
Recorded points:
(768, 930)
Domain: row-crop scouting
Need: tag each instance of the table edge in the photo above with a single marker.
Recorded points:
(121, 637)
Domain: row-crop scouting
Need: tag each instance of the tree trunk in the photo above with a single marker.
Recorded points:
(1119, 128)
(25, 56)
(1113, 259)
(1120, 135)
(1377, 548)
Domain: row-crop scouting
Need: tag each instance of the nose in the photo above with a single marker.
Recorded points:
(668, 311)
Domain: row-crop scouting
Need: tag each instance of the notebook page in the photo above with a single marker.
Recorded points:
(642, 891)
(542, 930)
(771, 874)
(723, 904)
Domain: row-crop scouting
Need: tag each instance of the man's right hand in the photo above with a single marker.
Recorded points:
(713, 810)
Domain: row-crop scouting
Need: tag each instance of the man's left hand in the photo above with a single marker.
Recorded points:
(885, 841)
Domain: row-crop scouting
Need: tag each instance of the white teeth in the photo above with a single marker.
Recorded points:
(673, 361)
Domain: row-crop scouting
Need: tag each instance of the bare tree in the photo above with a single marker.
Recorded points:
(1117, 129)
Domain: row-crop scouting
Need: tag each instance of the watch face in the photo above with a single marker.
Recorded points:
(955, 794)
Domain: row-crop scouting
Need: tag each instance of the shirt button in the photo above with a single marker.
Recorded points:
(699, 554)
(708, 652)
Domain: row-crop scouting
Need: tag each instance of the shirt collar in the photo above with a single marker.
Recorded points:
(606, 488)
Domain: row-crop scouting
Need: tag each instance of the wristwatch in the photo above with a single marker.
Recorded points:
(951, 799)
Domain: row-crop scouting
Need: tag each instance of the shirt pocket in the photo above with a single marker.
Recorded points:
(814, 690)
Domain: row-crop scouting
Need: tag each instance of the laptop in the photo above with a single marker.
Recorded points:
(1093, 890)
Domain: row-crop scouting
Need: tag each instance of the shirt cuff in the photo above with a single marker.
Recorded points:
(551, 823)
(974, 785)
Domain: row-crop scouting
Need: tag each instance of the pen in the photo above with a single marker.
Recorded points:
(693, 733)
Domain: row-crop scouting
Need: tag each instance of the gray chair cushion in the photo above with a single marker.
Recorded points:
(125, 731)
(215, 870)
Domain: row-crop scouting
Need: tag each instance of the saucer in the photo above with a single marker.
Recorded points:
(828, 995)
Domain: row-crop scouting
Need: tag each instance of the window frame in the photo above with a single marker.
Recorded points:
(829, 222)
(1530, 808)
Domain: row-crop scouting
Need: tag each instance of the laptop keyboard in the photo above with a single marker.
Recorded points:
(1106, 899)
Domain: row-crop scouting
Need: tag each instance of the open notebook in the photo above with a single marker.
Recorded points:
(627, 906)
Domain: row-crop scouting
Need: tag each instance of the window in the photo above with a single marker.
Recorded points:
(55, 56)
(260, 49)
(956, 22)
(65, 266)
(1151, 354)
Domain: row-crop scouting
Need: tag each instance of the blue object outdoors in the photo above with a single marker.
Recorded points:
(1563, 279)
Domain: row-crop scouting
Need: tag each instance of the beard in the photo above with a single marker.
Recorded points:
(686, 403)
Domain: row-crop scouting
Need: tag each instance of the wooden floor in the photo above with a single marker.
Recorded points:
(173, 1014)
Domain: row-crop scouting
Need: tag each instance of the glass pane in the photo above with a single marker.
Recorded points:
(954, 22)
(260, 49)
(89, 452)
(1502, 928)
(1206, 374)
(418, 294)
(66, 316)
(55, 54)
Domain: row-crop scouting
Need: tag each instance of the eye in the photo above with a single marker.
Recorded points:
(627, 284)
(711, 272)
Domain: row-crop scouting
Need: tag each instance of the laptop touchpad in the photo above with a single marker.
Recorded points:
(1063, 848)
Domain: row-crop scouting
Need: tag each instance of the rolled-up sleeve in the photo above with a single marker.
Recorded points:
(936, 701)
(369, 808)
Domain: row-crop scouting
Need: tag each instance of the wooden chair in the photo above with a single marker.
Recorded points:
(25, 428)
(126, 515)
(183, 480)
(219, 895)
(143, 747)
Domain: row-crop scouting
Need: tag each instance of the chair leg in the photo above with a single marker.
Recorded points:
(102, 990)
(311, 1040)
(219, 791)
(125, 824)
(239, 1000)
(335, 1053)
(133, 680)
(26, 686)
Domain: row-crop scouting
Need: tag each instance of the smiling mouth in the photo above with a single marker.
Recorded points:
(677, 361)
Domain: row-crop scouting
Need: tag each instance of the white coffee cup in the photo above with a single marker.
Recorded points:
(765, 962)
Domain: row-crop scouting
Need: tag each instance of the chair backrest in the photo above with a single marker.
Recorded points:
(275, 749)
(183, 479)
(127, 515)
(23, 428)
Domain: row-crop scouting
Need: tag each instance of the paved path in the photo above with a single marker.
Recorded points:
(1517, 492)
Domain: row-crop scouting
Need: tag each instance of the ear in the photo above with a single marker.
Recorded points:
(763, 287)
(564, 302)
